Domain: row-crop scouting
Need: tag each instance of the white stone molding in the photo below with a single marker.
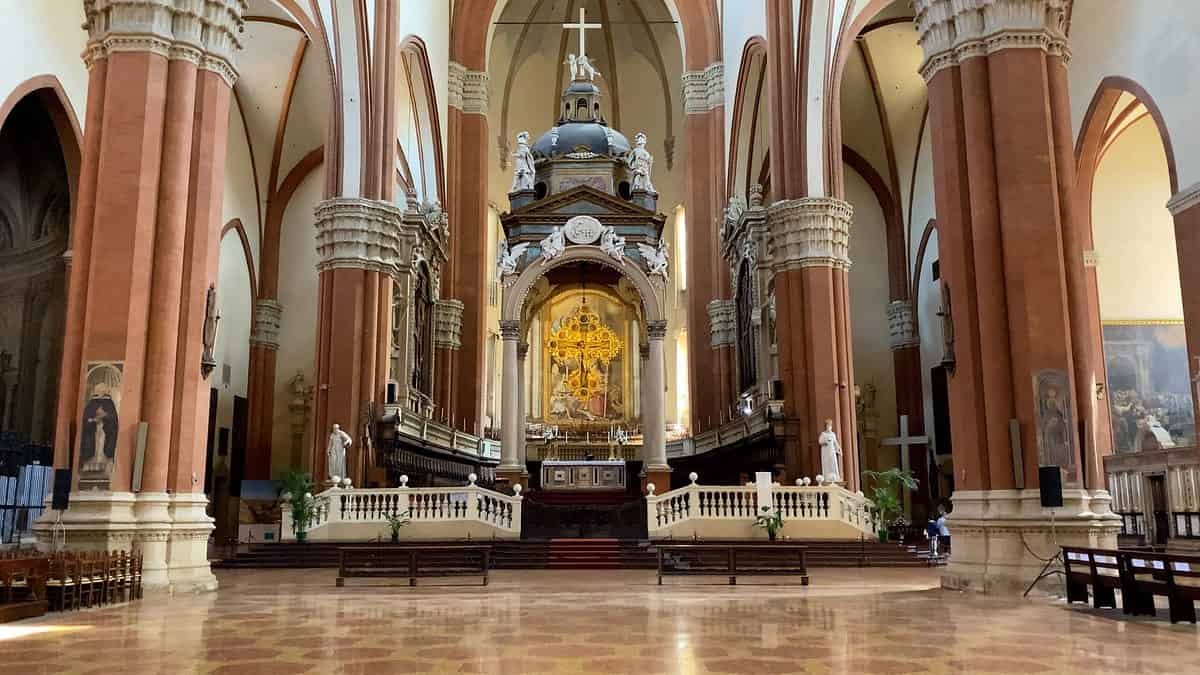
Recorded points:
(656, 329)
(722, 319)
(951, 31)
(704, 90)
(1185, 199)
(268, 314)
(468, 89)
(1090, 258)
(509, 329)
(447, 324)
(358, 233)
(205, 32)
(809, 232)
(902, 331)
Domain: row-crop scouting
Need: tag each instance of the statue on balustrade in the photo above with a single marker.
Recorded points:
(831, 454)
(335, 452)
(523, 169)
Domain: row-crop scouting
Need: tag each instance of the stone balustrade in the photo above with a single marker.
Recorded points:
(729, 512)
(463, 512)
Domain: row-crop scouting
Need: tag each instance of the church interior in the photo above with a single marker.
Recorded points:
(696, 336)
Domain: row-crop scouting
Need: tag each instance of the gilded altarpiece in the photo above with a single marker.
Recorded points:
(587, 372)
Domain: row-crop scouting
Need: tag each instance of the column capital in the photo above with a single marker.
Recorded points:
(522, 350)
(656, 330)
(468, 89)
(358, 233)
(268, 314)
(510, 329)
(951, 31)
(204, 32)
(447, 324)
(902, 331)
(703, 90)
(809, 232)
(721, 322)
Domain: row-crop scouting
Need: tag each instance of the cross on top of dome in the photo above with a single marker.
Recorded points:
(581, 67)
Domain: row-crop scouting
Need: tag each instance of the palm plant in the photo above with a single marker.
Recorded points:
(886, 495)
(395, 522)
(770, 520)
(296, 487)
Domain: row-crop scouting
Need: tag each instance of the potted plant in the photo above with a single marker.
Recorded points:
(395, 522)
(295, 487)
(771, 521)
(886, 496)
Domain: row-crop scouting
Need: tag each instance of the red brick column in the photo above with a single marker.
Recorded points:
(1185, 207)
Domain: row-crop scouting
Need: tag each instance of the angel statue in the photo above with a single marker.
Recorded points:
(640, 161)
(523, 172)
(612, 243)
(586, 69)
(554, 244)
(507, 258)
(656, 258)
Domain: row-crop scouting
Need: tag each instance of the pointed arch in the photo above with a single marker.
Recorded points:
(418, 97)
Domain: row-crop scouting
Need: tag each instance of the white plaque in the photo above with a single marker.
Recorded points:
(762, 483)
(583, 230)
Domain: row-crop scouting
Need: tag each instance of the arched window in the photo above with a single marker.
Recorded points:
(422, 332)
(745, 327)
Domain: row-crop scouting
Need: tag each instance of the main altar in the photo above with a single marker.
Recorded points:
(565, 474)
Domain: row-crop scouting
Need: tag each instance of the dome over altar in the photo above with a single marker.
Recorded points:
(595, 137)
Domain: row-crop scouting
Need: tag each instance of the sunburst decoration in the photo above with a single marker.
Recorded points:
(582, 341)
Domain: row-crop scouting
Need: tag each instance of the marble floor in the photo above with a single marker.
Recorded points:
(848, 621)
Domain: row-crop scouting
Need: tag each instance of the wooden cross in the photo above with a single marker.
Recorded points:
(583, 27)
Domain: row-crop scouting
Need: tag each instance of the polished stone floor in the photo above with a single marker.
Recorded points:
(847, 621)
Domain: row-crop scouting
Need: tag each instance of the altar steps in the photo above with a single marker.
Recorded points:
(583, 554)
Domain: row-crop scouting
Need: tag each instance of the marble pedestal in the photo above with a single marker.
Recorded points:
(994, 531)
(171, 531)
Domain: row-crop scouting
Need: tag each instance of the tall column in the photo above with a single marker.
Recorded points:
(811, 238)
(461, 389)
(144, 256)
(510, 405)
(264, 346)
(447, 340)
(654, 419)
(1185, 207)
(522, 411)
(359, 244)
(712, 388)
(1009, 249)
(910, 400)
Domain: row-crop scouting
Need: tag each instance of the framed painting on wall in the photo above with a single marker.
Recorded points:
(1149, 392)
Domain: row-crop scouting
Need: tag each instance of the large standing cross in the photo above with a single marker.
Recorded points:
(583, 27)
(904, 441)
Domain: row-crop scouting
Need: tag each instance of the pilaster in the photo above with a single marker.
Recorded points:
(951, 31)
(722, 318)
(704, 90)
(268, 314)
(447, 324)
(1185, 208)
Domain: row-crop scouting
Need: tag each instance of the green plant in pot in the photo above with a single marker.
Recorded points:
(396, 521)
(886, 496)
(296, 487)
(771, 521)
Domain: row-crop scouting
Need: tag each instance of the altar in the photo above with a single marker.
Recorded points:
(560, 474)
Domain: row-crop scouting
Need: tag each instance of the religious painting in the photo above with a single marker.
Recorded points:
(99, 424)
(1148, 389)
(584, 342)
(1054, 423)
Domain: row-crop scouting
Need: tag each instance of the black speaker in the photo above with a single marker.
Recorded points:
(1050, 484)
(62, 490)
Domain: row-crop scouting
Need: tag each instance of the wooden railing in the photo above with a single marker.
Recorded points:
(732, 431)
(740, 503)
(467, 504)
(419, 427)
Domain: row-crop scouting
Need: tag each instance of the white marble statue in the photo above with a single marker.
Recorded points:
(507, 258)
(335, 452)
(523, 172)
(585, 69)
(554, 244)
(436, 216)
(613, 244)
(656, 258)
(640, 161)
(831, 454)
(573, 66)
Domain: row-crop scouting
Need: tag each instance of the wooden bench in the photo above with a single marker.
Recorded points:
(413, 562)
(1099, 568)
(1175, 576)
(23, 587)
(732, 560)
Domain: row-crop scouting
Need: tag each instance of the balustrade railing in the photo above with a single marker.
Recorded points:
(469, 503)
(740, 503)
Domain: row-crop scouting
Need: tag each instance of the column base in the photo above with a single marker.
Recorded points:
(512, 475)
(994, 531)
(660, 476)
(171, 531)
